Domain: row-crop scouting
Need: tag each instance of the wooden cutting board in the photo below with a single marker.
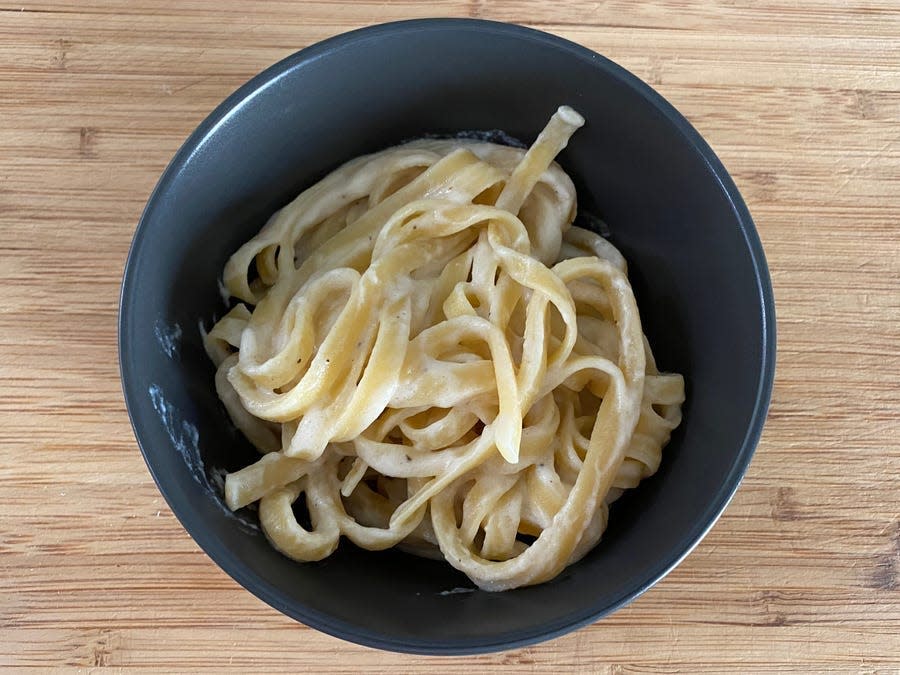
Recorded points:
(801, 100)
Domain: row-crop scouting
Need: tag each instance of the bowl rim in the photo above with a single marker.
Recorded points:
(269, 593)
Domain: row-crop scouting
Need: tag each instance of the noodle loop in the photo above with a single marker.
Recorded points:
(429, 355)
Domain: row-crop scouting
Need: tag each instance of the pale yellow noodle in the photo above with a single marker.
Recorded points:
(429, 355)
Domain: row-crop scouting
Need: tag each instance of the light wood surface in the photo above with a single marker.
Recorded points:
(801, 100)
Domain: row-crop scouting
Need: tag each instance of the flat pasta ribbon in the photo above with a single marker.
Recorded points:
(428, 354)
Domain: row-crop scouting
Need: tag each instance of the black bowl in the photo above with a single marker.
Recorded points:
(694, 257)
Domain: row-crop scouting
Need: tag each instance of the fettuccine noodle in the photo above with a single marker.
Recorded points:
(427, 354)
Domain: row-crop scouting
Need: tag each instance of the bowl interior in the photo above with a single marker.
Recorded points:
(694, 260)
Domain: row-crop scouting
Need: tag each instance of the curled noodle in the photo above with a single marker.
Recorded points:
(427, 354)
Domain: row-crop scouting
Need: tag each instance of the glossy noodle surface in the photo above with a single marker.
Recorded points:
(427, 354)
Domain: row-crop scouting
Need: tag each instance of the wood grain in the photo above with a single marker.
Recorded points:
(801, 100)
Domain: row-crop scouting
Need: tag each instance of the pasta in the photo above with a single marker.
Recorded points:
(428, 354)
